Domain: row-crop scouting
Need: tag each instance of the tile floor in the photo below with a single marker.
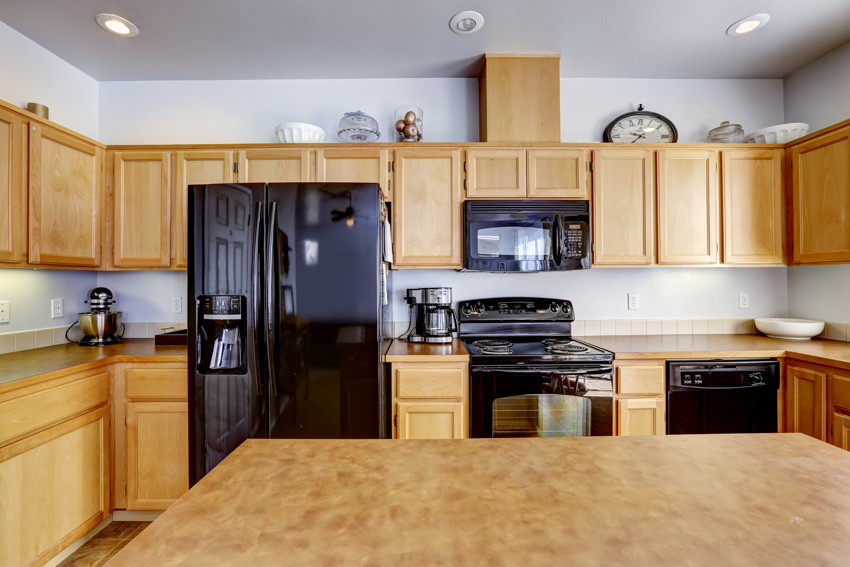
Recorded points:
(109, 541)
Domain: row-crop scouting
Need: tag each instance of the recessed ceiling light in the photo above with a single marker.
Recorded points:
(117, 25)
(466, 22)
(748, 24)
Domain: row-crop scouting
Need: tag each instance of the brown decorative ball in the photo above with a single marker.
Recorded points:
(410, 117)
(399, 125)
(410, 131)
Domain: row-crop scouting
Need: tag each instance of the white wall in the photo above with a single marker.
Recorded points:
(819, 93)
(29, 293)
(30, 73)
(819, 292)
(600, 293)
(145, 297)
(695, 106)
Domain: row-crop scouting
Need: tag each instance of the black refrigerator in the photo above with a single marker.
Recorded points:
(289, 312)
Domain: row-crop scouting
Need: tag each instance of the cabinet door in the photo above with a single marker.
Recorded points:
(142, 209)
(640, 416)
(495, 174)
(821, 195)
(806, 402)
(753, 207)
(65, 198)
(687, 207)
(157, 454)
(623, 191)
(557, 174)
(841, 431)
(274, 166)
(357, 165)
(430, 421)
(12, 187)
(195, 168)
(426, 211)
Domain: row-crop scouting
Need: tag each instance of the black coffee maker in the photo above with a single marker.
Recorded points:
(435, 319)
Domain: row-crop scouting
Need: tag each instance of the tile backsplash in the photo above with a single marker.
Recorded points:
(37, 338)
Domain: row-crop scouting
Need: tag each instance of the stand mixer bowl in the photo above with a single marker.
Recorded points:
(100, 325)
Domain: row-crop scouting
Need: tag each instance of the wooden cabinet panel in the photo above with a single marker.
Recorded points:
(12, 187)
(640, 380)
(640, 416)
(195, 168)
(623, 191)
(65, 198)
(274, 166)
(157, 454)
(356, 165)
(157, 383)
(142, 209)
(427, 208)
(839, 386)
(841, 431)
(820, 178)
(430, 421)
(687, 206)
(557, 174)
(498, 174)
(431, 380)
(54, 487)
(753, 207)
(806, 401)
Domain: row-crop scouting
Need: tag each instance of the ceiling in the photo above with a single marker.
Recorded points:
(333, 39)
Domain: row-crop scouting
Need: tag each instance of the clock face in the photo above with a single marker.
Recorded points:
(641, 128)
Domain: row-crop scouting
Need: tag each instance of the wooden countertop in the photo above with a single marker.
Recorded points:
(48, 362)
(768, 499)
(831, 353)
(403, 351)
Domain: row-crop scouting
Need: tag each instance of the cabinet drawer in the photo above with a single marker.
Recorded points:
(841, 390)
(430, 381)
(157, 383)
(640, 380)
(33, 412)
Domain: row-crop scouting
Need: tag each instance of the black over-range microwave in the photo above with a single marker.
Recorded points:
(526, 236)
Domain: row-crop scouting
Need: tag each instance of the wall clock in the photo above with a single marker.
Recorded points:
(641, 127)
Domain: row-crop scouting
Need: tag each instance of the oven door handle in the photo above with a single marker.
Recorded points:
(602, 371)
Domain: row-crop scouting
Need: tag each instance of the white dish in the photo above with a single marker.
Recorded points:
(798, 329)
(779, 134)
(299, 133)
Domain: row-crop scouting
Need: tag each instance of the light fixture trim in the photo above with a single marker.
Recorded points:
(113, 23)
(466, 22)
(747, 25)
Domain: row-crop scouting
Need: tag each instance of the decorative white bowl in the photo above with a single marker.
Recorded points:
(798, 329)
(779, 134)
(299, 133)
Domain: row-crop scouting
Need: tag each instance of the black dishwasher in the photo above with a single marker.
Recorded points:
(722, 396)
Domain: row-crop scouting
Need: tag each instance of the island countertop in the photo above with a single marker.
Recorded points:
(768, 499)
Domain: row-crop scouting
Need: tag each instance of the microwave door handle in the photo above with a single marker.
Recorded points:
(255, 290)
(557, 238)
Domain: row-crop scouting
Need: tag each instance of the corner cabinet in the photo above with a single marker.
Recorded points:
(65, 198)
(426, 213)
(820, 181)
(805, 406)
(430, 400)
(13, 188)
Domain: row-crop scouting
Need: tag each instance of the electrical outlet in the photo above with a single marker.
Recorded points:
(634, 301)
(57, 310)
(177, 305)
(744, 300)
(4, 311)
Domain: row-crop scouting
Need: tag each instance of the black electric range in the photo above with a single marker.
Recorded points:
(523, 345)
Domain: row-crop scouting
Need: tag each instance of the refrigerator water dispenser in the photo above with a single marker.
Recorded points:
(222, 327)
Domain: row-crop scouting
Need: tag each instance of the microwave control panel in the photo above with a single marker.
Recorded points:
(574, 239)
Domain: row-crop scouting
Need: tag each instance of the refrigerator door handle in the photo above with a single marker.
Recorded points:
(272, 274)
(256, 291)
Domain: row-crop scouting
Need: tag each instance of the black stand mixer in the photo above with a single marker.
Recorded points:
(100, 324)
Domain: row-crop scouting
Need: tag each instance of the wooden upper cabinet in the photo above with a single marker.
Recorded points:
(806, 401)
(753, 207)
(687, 206)
(142, 209)
(273, 166)
(495, 174)
(65, 198)
(195, 168)
(623, 191)
(820, 179)
(355, 165)
(557, 174)
(12, 187)
(427, 208)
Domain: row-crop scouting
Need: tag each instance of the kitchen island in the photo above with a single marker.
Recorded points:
(771, 499)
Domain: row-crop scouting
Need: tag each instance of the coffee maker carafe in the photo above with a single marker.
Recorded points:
(434, 317)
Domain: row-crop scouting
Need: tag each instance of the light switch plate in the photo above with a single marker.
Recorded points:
(4, 311)
(57, 309)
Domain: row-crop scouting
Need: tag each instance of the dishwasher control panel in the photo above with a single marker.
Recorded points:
(723, 373)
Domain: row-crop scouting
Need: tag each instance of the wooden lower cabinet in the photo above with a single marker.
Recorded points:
(430, 420)
(841, 431)
(805, 406)
(430, 400)
(640, 416)
(639, 398)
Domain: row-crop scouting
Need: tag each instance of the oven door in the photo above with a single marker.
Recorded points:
(488, 383)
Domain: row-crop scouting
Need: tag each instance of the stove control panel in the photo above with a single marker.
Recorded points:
(527, 309)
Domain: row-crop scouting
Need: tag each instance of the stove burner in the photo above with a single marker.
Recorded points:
(565, 349)
(496, 349)
(485, 343)
(556, 342)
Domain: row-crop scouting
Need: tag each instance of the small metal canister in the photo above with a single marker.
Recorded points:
(38, 109)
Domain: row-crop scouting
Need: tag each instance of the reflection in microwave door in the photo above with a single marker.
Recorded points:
(489, 246)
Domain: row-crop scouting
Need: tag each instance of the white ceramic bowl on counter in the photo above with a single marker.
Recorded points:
(798, 329)
(299, 133)
(779, 134)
